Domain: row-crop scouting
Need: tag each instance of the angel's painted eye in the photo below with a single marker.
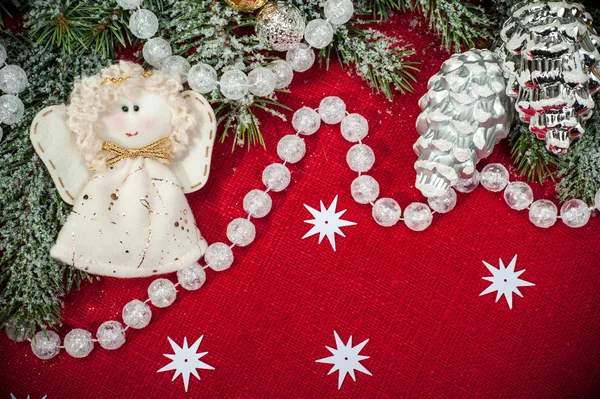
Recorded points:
(125, 108)
(136, 108)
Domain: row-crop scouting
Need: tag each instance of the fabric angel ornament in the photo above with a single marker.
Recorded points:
(124, 152)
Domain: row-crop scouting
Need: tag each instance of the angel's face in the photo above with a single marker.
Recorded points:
(137, 121)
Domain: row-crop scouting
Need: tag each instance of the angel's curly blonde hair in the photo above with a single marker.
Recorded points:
(93, 95)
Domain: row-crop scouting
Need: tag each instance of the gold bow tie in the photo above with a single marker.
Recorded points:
(159, 149)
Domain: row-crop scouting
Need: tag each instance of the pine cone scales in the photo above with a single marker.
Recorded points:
(465, 113)
(550, 51)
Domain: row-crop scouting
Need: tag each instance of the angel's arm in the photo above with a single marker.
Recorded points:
(55, 145)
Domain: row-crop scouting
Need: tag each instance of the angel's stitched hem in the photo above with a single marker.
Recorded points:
(65, 255)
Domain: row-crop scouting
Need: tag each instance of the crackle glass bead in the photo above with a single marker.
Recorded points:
(364, 189)
(494, 177)
(143, 24)
(339, 12)
(301, 57)
(575, 213)
(257, 203)
(332, 110)
(518, 195)
(417, 216)
(318, 33)
(218, 256)
(192, 277)
(291, 148)
(543, 213)
(306, 121)
(11, 109)
(156, 50)
(234, 84)
(202, 78)
(129, 4)
(13, 79)
(3, 55)
(354, 127)
(177, 65)
(360, 158)
(110, 335)
(386, 212)
(597, 200)
(78, 343)
(261, 81)
(241, 232)
(162, 292)
(17, 333)
(443, 203)
(276, 177)
(279, 24)
(283, 73)
(45, 344)
(137, 314)
(468, 185)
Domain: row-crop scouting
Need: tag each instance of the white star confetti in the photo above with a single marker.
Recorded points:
(345, 359)
(505, 281)
(28, 397)
(185, 361)
(327, 222)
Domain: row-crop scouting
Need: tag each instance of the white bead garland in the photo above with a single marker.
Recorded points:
(143, 24)
(234, 83)
(13, 80)
(257, 204)
(177, 65)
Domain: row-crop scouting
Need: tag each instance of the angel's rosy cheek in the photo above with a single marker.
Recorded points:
(119, 123)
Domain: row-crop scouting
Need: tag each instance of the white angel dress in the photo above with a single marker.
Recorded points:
(131, 219)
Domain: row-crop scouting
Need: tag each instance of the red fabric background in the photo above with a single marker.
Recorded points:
(414, 295)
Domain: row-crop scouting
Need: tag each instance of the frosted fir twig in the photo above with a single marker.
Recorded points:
(32, 284)
(579, 168)
(460, 25)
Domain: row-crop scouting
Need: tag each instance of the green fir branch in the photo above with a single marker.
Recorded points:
(529, 155)
(380, 9)
(579, 168)
(78, 26)
(32, 283)
(460, 25)
(380, 60)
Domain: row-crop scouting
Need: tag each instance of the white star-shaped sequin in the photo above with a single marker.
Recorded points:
(185, 361)
(345, 359)
(327, 222)
(505, 281)
(28, 397)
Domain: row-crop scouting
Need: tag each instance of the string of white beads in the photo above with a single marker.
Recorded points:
(234, 84)
(257, 203)
(361, 158)
(13, 80)
(543, 213)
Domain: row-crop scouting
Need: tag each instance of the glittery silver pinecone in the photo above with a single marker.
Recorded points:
(466, 111)
(549, 52)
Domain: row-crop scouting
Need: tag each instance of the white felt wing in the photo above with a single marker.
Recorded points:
(55, 145)
(193, 166)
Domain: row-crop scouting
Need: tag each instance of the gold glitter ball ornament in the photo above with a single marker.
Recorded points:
(246, 5)
(280, 26)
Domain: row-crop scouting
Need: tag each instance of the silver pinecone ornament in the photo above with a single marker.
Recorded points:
(466, 111)
(549, 52)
